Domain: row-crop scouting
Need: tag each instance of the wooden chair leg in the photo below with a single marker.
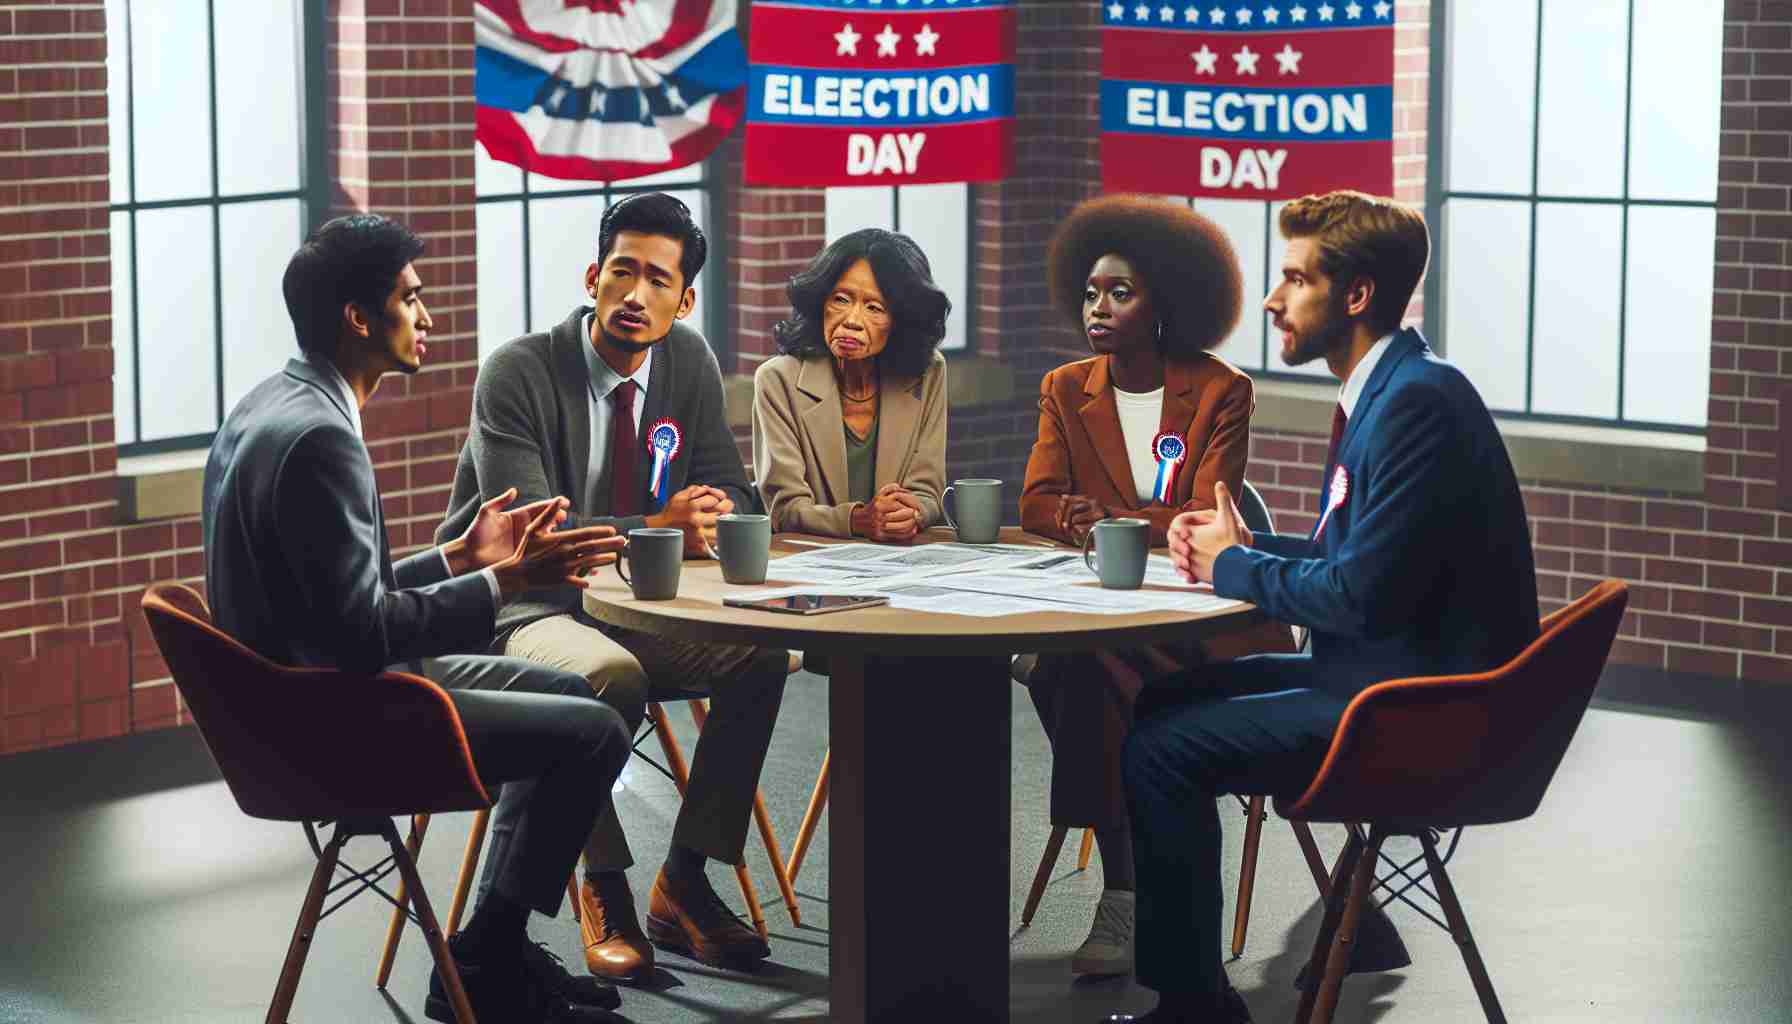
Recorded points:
(395, 930)
(309, 913)
(469, 862)
(572, 894)
(1247, 874)
(432, 932)
(700, 714)
(818, 802)
(681, 777)
(1328, 926)
(1361, 880)
(1053, 846)
(1303, 833)
(1088, 847)
(1471, 956)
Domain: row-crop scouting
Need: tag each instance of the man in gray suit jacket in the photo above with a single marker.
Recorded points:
(620, 408)
(299, 569)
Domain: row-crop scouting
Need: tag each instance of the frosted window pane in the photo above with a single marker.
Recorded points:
(118, 91)
(700, 213)
(1581, 104)
(258, 240)
(686, 176)
(867, 206)
(1574, 369)
(494, 177)
(1487, 245)
(173, 102)
(937, 218)
(498, 228)
(562, 243)
(1667, 318)
(1242, 221)
(124, 349)
(1675, 69)
(1492, 79)
(175, 282)
(1278, 248)
(260, 114)
(543, 183)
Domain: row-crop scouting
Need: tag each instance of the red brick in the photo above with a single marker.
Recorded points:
(103, 719)
(1701, 661)
(1767, 610)
(104, 672)
(1767, 669)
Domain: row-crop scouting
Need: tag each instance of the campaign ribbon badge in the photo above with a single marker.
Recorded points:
(1339, 490)
(1170, 450)
(664, 439)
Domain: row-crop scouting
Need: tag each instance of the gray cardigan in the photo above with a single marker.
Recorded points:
(531, 430)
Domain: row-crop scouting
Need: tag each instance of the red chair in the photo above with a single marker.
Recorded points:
(1413, 756)
(317, 746)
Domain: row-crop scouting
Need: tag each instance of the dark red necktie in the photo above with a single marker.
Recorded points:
(625, 497)
(1338, 419)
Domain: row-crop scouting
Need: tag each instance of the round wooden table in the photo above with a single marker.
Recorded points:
(918, 715)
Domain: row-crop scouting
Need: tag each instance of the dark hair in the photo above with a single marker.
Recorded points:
(918, 308)
(349, 259)
(655, 213)
(1361, 235)
(1187, 262)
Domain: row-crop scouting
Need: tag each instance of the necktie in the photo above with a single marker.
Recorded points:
(1338, 420)
(625, 495)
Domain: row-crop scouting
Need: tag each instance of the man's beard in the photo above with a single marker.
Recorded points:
(1322, 340)
(631, 347)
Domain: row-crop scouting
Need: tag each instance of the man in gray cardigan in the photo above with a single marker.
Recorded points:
(580, 410)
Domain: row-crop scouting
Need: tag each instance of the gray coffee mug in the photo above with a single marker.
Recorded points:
(1120, 549)
(743, 544)
(657, 555)
(979, 519)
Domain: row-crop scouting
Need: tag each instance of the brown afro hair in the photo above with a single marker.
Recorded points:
(1188, 265)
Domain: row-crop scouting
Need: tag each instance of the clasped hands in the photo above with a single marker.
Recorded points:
(694, 510)
(1197, 538)
(524, 549)
(893, 516)
(1077, 515)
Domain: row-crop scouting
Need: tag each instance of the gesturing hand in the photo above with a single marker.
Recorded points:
(545, 557)
(892, 517)
(1077, 515)
(1197, 538)
(496, 531)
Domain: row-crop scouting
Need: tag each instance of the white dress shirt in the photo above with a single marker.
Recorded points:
(603, 381)
(1359, 377)
(1140, 415)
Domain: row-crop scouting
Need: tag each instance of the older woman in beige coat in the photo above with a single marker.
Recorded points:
(849, 423)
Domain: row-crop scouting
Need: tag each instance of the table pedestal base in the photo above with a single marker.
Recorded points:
(918, 832)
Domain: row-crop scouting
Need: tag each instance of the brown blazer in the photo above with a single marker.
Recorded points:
(1081, 449)
(799, 448)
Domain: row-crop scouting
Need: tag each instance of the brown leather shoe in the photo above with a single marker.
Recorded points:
(615, 946)
(686, 916)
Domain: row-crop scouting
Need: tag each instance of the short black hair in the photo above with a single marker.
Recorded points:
(918, 307)
(356, 259)
(1188, 264)
(655, 213)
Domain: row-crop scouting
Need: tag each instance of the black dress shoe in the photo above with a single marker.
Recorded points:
(1378, 948)
(546, 970)
(1232, 1011)
(527, 988)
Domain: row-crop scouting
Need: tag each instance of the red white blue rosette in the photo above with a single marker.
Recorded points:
(1170, 451)
(664, 440)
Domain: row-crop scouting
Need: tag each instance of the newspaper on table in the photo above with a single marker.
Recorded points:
(984, 580)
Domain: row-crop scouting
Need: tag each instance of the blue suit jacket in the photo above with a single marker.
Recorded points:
(297, 565)
(1424, 568)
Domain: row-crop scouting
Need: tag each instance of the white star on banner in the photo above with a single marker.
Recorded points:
(927, 39)
(1297, 13)
(886, 41)
(1116, 11)
(1289, 58)
(848, 40)
(1353, 10)
(1166, 13)
(1382, 8)
(1192, 15)
(1243, 15)
(1204, 60)
(1325, 12)
(1271, 15)
(1246, 61)
(1217, 15)
(1142, 12)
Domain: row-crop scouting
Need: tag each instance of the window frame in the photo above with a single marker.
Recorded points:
(306, 191)
(971, 266)
(1438, 193)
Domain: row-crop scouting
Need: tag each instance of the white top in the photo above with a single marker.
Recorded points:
(1139, 416)
(604, 381)
(1359, 377)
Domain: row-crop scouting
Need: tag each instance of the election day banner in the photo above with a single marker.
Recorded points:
(606, 89)
(1253, 99)
(879, 92)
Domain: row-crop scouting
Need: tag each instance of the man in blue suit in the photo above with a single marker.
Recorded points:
(1419, 564)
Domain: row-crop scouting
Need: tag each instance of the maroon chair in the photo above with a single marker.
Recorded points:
(1413, 756)
(317, 746)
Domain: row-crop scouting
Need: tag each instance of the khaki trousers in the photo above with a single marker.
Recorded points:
(625, 669)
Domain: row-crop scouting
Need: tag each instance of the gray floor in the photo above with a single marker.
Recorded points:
(1653, 886)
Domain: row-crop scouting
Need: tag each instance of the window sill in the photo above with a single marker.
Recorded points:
(1552, 452)
(970, 381)
(161, 486)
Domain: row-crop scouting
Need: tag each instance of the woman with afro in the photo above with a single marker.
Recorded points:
(1141, 429)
